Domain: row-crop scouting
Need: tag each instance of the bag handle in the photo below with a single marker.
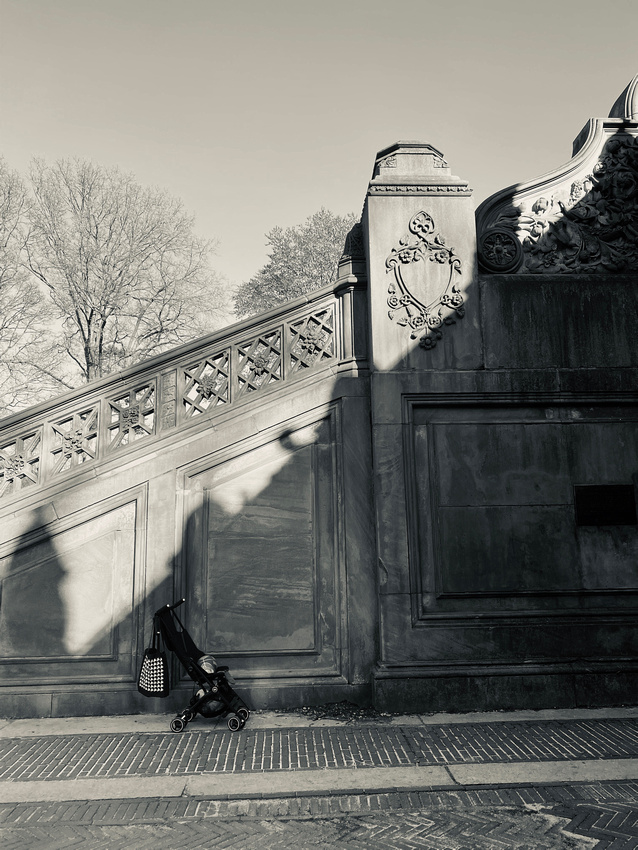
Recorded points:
(157, 635)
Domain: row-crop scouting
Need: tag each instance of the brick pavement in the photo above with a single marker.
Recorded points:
(561, 812)
(217, 750)
(524, 818)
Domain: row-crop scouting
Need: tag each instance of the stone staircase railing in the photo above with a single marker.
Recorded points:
(170, 392)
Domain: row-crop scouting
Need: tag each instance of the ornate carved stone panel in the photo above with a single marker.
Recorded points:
(131, 416)
(207, 384)
(312, 340)
(424, 294)
(20, 463)
(259, 362)
(74, 440)
(581, 218)
(589, 225)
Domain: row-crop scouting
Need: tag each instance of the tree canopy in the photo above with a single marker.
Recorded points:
(102, 273)
(302, 259)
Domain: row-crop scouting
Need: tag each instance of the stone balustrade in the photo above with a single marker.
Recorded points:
(171, 391)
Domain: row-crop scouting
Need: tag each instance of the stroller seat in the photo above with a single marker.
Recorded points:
(214, 696)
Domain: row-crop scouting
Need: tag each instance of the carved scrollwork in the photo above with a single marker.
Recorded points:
(418, 306)
(591, 225)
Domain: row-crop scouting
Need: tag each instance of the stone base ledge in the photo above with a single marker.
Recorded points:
(426, 689)
(99, 700)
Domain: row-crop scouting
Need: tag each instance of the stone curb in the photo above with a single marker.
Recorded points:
(317, 783)
(154, 723)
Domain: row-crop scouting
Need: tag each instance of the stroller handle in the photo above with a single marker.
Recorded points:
(175, 604)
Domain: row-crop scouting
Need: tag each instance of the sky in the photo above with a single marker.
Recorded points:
(257, 113)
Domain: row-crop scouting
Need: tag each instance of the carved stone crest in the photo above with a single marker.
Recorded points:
(424, 294)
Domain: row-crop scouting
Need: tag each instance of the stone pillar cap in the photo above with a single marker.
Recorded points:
(409, 160)
(409, 167)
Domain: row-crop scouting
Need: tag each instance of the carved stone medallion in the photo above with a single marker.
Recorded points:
(424, 294)
(500, 251)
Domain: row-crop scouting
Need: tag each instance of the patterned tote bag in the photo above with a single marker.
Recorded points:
(153, 678)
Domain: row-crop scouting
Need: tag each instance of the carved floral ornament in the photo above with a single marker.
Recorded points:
(207, 385)
(587, 225)
(14, 467)
(212, 382)
(421, 297)
(73, 442)
(311, 341)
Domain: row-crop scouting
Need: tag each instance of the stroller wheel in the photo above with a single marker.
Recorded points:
(177, 724)
(243, 714)
(187, 715)
(234, 723)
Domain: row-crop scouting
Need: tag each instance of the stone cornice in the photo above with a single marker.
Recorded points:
(461, 189)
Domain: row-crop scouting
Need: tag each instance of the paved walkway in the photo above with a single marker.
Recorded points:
(555, 779)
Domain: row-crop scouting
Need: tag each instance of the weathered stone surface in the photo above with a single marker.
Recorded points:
(380, 472)
(574, 323)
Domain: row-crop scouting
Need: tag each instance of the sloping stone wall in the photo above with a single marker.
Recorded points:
(232, 494)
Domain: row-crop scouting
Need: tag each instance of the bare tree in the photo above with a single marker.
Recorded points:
(302, 258)
(125, 273)
(22, 313)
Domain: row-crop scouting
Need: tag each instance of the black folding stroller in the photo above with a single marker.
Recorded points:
(213, 695)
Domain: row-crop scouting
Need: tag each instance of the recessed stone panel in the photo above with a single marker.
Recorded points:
(67, 596)
(261, 566)
(502, 463)
(507, 549)
(261, 577)
(495, 514)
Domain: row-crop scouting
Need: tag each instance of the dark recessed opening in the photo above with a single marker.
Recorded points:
(605, 504)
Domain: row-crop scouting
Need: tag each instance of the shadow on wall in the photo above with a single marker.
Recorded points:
(32, 610)
(263, 563)
(258, 570)
(590, 227)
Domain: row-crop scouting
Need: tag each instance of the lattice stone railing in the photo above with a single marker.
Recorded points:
(99, 423)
